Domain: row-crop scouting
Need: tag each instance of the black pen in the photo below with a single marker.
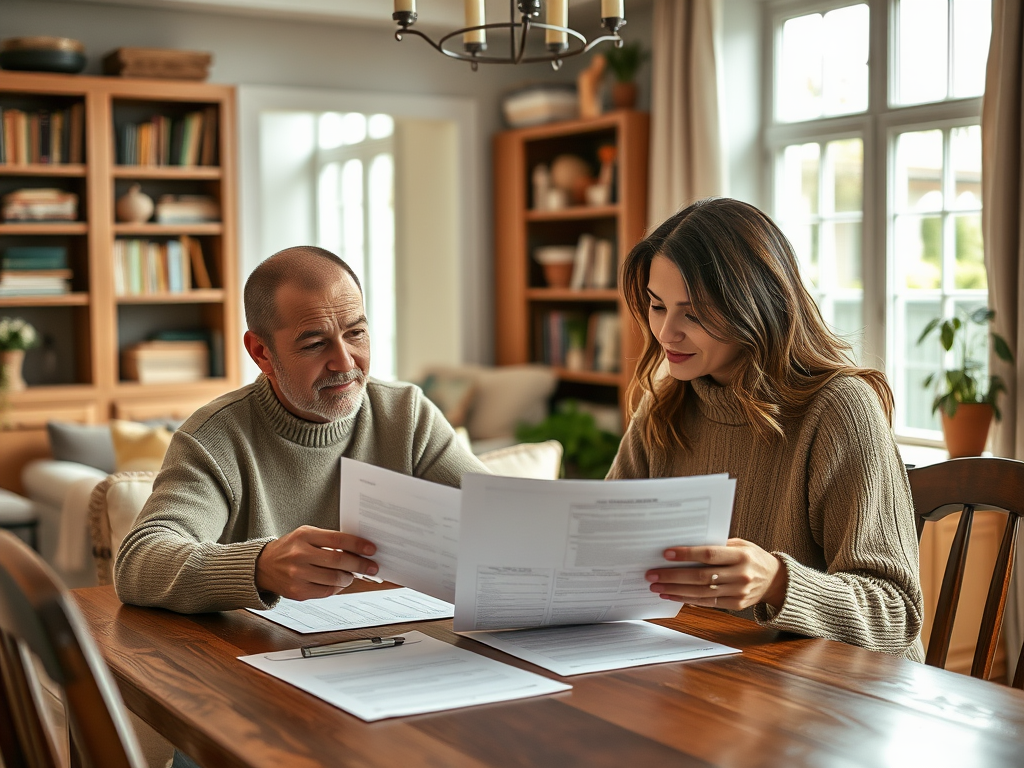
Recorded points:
(351, 646)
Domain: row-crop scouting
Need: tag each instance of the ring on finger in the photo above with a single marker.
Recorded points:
(714, 578)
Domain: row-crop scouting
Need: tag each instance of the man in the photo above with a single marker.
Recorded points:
(245, 508)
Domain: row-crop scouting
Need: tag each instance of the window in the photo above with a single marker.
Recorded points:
(356, 216)
(874, 148)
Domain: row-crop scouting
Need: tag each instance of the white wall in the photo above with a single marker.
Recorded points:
(428, 274)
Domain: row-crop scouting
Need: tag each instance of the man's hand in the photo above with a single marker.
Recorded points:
(735, 576)
(312, 562)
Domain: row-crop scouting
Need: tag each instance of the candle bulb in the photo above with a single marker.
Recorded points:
(613, 9)
(558, 15)
(407, 6)
(475, 40)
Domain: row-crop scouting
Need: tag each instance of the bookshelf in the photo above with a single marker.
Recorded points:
(532, 316)
(77, 375)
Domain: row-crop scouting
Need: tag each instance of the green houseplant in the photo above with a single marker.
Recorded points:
(624, 63)
(966, 401)
(588, 451)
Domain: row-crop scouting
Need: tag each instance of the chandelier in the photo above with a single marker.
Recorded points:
(560, 40)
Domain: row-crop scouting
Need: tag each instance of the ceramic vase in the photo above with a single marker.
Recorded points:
(134, 206)
(967, 432)
(11, 361)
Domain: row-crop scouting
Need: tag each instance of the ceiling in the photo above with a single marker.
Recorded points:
(444, 13)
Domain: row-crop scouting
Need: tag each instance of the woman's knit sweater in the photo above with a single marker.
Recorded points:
(830, 499)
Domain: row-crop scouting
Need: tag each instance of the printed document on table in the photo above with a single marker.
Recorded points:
(421, 675)
(413, 522)
(536, 553)
(357, 610)
(577, 649)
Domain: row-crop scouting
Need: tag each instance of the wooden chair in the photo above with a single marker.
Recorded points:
(40, 621)
(961, 485)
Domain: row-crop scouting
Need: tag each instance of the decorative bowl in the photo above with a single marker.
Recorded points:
(42, 54)
(555, 254)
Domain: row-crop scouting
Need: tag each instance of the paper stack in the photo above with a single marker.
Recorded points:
(163, 362)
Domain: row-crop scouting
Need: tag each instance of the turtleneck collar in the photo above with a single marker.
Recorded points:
(717, 403)
(309, 434)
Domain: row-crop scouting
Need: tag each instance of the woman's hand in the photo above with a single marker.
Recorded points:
(735, 576)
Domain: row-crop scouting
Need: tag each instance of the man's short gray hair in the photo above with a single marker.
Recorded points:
(303, 265)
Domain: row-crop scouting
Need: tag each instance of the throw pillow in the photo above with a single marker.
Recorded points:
(508, 395)
(138, 448)
(541, 461)
(88, 444)
(452, 394)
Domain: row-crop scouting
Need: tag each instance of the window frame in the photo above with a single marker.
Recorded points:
(878, 127)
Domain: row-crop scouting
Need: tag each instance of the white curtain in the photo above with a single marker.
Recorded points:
(1002, 178)
(687, 161)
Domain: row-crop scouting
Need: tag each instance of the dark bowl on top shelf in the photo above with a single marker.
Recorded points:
(42, 54)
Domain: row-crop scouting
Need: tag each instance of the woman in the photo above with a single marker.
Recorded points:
(757, 386)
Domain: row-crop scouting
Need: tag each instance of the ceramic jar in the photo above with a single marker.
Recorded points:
(134, 206)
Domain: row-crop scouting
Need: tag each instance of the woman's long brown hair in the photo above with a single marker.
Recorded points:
(744, 285)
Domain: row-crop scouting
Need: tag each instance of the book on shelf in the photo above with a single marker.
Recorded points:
(594, 263)
(39, 204)
(142, 267)
(38, 282)
(34, 257)
(161, 140)
(200, 274)
(164, 362)
(45, 136)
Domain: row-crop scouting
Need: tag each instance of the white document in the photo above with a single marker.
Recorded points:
(357, 610)
(584, 648)
(422, 675)
(537, 553)
(414, 524)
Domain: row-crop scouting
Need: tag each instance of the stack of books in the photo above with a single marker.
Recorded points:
(189, 140)
(185, 209)
(39, 205)
(166, 362)
(34, 271)
(147, 267)
(45, 136)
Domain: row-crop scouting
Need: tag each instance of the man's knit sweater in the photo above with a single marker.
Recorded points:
(243, 470)
(831, 499)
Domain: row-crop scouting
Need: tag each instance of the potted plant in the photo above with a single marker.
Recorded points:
(966, 402)
(587, 450)
(16, 335)
(624, 63)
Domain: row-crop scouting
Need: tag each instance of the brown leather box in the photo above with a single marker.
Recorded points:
(162, 63)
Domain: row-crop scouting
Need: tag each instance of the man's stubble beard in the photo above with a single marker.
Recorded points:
(316, 402)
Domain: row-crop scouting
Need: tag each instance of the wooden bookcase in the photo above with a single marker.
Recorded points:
(76, 375)
(523, 300)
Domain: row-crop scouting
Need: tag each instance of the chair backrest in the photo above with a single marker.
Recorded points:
(962, 485)
(39, 618)
(113, 506)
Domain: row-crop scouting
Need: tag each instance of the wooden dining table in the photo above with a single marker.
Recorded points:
(785, 700)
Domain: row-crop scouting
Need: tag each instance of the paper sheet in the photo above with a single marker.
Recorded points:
(356, 610)
(574, 650)
(548, 552)
(414, 524)
(422, 675)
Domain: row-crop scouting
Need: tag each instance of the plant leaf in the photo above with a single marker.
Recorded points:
(948, 333)
(929, 328)
(1002, 348)
(982, 315)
